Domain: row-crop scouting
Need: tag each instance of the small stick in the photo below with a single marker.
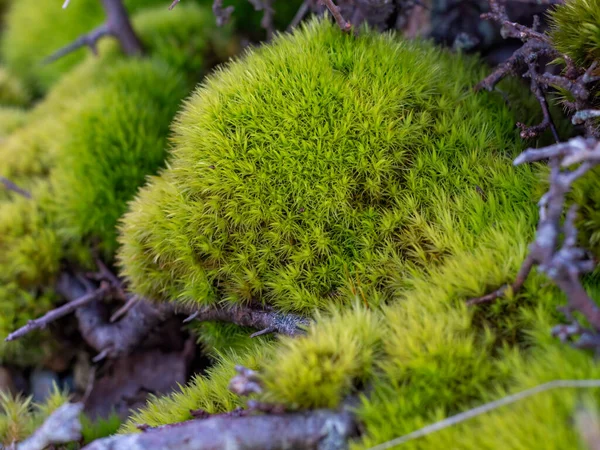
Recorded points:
(57, 313)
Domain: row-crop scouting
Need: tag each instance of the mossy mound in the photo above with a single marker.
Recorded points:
(575, 30)
(321, 164)
(113, 144)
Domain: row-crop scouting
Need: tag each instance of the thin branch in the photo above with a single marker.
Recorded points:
(113, 339)
(13, 187)
(300, 14)
(562, 261)
(320, 429)
(57, 313)
(337, 15)
(117, 25)
(487, 407)
(525, 62)
(87, 40)
(222, 14)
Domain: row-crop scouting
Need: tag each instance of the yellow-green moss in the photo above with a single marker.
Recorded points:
(575, 30)
(19, 417)
(12, 91)
(322, 161)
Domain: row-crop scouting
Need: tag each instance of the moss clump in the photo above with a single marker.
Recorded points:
(575, 30)
(12, 91)
(318, 370)
(113, 144)
(319, 163)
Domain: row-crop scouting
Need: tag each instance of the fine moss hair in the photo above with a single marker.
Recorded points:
(113, 144)
(20, 417)
(575, 30)
(319, 164)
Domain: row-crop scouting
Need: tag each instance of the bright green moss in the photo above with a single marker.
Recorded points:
(320, 162)
(113, 144)
(35, 29)
(319, 369)
(12, 91)
(575, 30)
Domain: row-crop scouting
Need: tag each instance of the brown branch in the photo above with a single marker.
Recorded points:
(114, 339)
(57, 313)
(117, 25)
(320, 429)
(300, 14)
(337, 15)
(13, 187)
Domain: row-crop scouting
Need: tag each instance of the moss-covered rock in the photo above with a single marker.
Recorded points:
(319, 163)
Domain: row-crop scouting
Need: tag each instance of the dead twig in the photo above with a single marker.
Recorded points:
(526, 61)
(57, 313)
(320, 429)
(554, 249)
(487, 407)
(13, 187)
(337, 15)
(118, 338)
(117, 25)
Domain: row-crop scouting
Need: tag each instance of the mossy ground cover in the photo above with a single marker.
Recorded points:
(360, 174)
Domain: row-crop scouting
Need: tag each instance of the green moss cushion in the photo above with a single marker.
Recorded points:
(321, 164)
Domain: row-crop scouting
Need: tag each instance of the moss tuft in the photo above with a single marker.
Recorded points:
(35, 29)
(321, 368)
(320, 164)
(575, 30)
(113, 144)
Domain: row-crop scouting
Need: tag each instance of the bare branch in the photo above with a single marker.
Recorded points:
(63, 426)
(525, 62)
(57, 313)
(564, 262)
(87, 40)
(113, 339)
(117, 25)
(222, 15)
(13, 187)
(337, 15)
(320, 429)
